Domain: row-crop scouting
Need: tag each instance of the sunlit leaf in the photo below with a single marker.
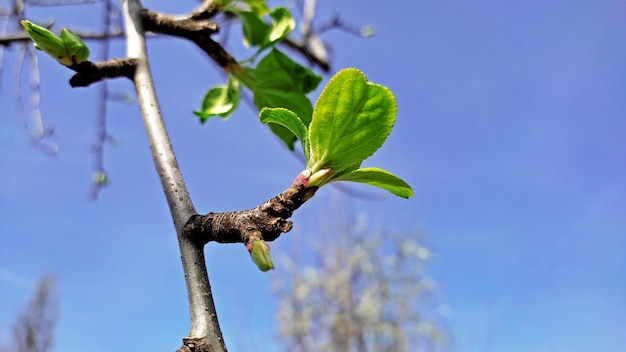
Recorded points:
(282, 24)
(351, 120)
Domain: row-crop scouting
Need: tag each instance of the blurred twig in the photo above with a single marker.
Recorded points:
(101, 177)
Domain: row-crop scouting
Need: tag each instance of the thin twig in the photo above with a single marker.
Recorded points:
(101, 176)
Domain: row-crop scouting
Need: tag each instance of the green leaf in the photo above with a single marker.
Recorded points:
(254, 28)
(351, 120)
(277, 71)
(379, 178)
(257, 33)
(282, 24)
(220, 101)
(290, 121)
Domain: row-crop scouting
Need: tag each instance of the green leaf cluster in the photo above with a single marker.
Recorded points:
(351, 120)
(276, 81)
(67, 48)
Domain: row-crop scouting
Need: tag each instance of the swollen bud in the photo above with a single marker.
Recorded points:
(68, 49)
(260, 253)
(320, 177)
(45, 40)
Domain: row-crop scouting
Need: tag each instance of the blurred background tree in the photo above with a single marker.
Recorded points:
(33, 330)
(360, 290)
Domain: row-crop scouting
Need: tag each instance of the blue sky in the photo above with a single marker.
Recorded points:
(510, 128)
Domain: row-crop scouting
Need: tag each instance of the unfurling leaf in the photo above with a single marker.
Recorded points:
(289, 120)
(260, 253)
(74, 46)
(68, 49)
(45, 40)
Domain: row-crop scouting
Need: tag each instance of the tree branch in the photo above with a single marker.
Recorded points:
(197, 31)
(264, 222)
(204, 328)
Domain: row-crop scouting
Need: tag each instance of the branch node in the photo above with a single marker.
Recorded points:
(89, 72)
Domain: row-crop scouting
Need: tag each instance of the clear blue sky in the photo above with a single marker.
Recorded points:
(511, 129)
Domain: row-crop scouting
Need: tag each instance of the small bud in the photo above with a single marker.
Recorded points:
(260, 253)
(320, 177)
(367, 31)
(100, 178)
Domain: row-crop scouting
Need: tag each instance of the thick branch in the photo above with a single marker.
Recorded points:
(198, 31)
(206, 10)
(264, 222)
(204, 324)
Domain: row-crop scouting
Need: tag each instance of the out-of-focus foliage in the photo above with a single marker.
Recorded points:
(367, 291)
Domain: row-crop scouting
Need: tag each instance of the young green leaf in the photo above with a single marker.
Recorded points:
(379, 178)
(351, 120)
(220, 101)
(68, 49)
(294, 101)
(290, 121)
